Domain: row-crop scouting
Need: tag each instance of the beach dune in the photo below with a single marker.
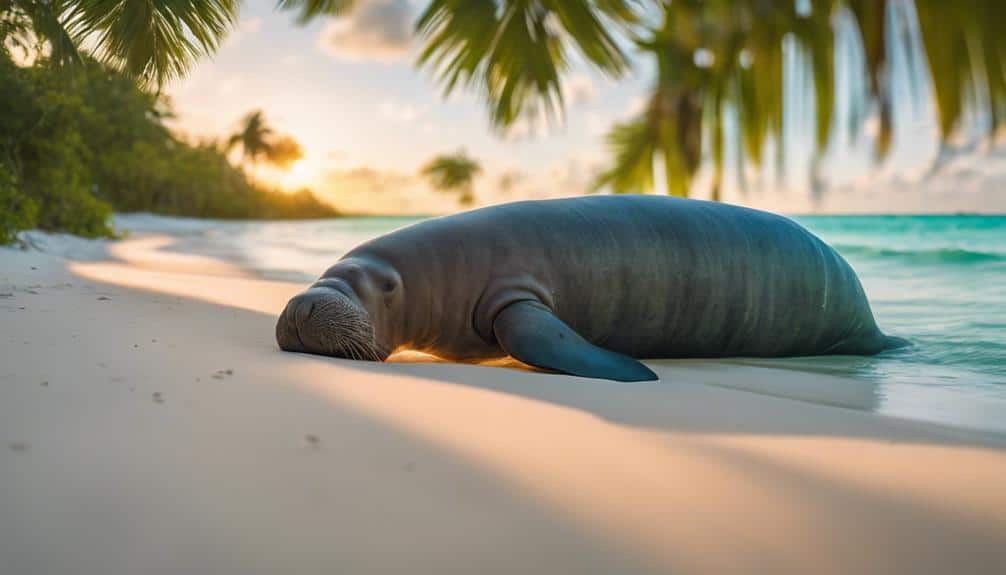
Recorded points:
(149, 424)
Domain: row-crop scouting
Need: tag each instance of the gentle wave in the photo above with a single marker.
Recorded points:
(939, 255)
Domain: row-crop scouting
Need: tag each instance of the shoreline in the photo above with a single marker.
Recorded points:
(302, 463)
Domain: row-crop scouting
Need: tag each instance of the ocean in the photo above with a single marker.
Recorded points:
(939, 281)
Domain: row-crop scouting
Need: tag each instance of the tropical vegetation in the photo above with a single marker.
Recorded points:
(79, 137)
(73, 146)
(716, 57)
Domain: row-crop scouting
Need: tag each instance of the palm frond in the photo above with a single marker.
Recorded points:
(308, 10)
(152, 40)
(514, 52)
(632, 145)
(48, 23)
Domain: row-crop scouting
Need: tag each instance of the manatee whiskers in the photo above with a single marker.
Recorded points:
(343, 330)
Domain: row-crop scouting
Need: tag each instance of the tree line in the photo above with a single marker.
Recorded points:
(77, 143)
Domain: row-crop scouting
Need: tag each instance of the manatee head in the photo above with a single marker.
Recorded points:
(351, 312)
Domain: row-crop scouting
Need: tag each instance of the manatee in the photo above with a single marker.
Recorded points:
(588, 286)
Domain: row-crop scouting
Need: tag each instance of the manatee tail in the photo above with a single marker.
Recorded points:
(895, 342)
(870, 344)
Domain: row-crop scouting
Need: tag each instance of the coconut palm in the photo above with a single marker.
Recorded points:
(453, 173)
(713, 56)
(704, 54)
(151, 40)
(253, 137)
(515, 51)
(258, 142)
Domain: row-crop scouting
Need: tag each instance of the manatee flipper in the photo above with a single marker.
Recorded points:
(529, 331)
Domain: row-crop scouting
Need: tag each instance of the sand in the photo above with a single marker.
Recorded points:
(149, 424)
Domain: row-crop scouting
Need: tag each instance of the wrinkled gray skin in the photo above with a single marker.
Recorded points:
(641, 276)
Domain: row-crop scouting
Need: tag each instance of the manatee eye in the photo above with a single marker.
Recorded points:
(388, 286)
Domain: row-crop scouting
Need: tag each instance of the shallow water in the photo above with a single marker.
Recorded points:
(939, 281)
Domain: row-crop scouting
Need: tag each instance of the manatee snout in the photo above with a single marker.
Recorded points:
(326, 321)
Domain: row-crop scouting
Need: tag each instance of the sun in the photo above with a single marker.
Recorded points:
(300, 174)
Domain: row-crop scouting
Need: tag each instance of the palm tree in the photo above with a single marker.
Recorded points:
(153, 40)
(713, 56)
(260, 142)
(710, 56)
(453, 173)
(253, 137)
(516, 51)
(704, 55)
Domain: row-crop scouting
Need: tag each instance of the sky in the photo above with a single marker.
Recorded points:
(368, 119)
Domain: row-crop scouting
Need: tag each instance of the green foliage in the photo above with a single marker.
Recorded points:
(54, 176)
(138, 165)
(711, 55)
(42, 144)
(633, 147)
(17, 211)
(515, 51)
(310, 9)
(153, 41)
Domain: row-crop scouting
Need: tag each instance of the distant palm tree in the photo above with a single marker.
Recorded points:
(260, 142)
(454, 173)
(253, 137)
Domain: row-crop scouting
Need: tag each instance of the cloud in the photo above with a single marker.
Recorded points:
(637, 105)
(398, 112)
(375, 30)
(579, 89)
(598, 125)
(871, 126)
(251, 25)
(229, 86)
(964, 181)
(574, 177)
(245, 28)
(529, 127)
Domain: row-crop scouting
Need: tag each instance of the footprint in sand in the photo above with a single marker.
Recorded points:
(19, 447)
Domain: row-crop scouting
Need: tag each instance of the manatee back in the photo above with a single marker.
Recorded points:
(647, 276)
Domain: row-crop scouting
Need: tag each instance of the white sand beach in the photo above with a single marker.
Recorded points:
(149, 424)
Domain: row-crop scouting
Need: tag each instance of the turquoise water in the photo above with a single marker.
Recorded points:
(939, 281)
